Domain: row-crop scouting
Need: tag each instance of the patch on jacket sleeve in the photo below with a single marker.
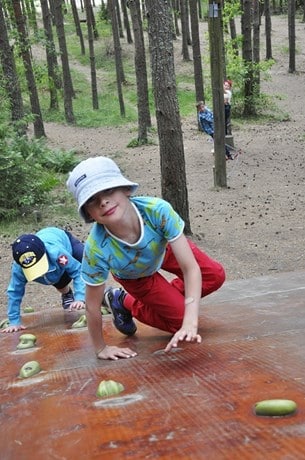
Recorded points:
(62, 260)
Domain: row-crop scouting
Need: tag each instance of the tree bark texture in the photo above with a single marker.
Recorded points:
(119, 20)
(198, 76)
(10, 76)
(291, 35)
(233, 36)
(53, 71)
(144, 120)
(27, 62)
(120, 77)
(268, 30)
(185, 30)
(176, 9)
(67, 80)
(92, 55)
(173, 173)
(126, 21)
(78, 28)
(256, 48)
(247, 54)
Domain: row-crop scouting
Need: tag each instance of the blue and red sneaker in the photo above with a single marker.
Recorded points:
(122, 318)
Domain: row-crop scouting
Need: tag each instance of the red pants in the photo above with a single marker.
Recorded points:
(155, 301)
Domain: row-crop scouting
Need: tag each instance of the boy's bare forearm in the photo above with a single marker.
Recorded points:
(95, 327)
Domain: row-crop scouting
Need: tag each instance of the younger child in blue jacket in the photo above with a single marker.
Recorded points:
(51, 257)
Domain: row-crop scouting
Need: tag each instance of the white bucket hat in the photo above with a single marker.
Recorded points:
(95, 175)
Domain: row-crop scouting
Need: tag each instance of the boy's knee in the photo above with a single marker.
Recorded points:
(215, 281)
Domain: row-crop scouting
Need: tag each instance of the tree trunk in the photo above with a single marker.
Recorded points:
(268, 29)
(233, 36)
(120, 77)
(256, 48)
(189, 40)
(144, 120)
(119, 20)
(10, 77)
(198, 76)
(67, 80)
(143, 9)
(26, 58)
(126, 21)
(31, 15)
(78, 28)
(53, 71)
(291, 35)
(173, 175)
(52, 10)
(175, 6)
(92, 55)
(246, 20)
(184, 28)
(199, 9)
(95, 31)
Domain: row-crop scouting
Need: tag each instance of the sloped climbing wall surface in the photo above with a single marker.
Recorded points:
(195, 402)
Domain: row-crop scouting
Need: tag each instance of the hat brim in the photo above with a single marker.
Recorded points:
(39, 269)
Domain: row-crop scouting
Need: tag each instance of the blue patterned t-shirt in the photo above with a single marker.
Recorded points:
(105, 253)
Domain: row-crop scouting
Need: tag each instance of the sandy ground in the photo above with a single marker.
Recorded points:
(254, 227)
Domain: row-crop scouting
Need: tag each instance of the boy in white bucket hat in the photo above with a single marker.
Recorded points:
(133, 238)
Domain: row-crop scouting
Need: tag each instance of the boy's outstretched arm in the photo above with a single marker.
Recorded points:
(94, 296)
(192, 284)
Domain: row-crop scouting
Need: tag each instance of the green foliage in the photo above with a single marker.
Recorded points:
(57, 160)
(4, 101)
(28, 172)
(137, 143)
(185, 94)
(231, 10)
(41, 75)
(237, 71)
(103, 13)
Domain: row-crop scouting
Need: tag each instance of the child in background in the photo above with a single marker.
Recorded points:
(133, 238)
(227, 114)
(51, 257)
(206, 123)
(227, 87)
(205, 118)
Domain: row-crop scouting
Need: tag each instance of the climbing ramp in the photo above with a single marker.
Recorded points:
(195, 402)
